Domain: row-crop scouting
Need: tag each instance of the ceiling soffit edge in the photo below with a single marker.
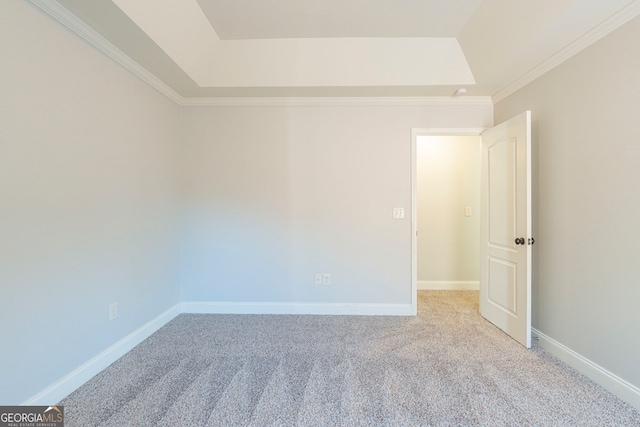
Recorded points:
(339, 101)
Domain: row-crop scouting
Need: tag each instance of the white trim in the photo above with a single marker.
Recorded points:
(443, 285)
(616, 385)
(612, 23)
(411, 101)
(70, 382)
(416, 132)
(414, 220)
(73, 23)
(216, 307)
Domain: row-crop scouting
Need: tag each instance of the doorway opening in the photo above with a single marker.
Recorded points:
(445, 209)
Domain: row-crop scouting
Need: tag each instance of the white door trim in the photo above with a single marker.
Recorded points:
(415, 133)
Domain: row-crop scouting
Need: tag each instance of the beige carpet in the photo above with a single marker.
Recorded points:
(445, 367)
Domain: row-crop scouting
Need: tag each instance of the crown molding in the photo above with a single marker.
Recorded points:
(73, 23)
(337, 101)
(590, 37)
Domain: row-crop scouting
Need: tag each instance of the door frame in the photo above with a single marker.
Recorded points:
(415, 133)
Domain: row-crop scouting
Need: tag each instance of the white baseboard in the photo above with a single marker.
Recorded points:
(433, 285)
(297, 308)
(616, 385)
(70, 382)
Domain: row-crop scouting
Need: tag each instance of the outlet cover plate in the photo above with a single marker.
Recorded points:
(113, 311)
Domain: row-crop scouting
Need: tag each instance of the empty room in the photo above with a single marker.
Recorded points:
(219, 213)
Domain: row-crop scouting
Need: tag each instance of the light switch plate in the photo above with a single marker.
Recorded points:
(398, 213)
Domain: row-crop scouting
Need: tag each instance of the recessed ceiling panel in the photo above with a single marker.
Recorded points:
(181, 29)
(259, 19)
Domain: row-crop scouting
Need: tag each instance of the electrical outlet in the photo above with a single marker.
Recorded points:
(318, 278)
(326, 279)
(113, 311)
(467, 211)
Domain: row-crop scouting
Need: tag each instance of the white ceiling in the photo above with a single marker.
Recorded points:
(270, 19)
(269, 48)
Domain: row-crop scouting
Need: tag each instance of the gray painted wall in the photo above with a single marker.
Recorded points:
(88, 206)
(587, 200)
(272, 195)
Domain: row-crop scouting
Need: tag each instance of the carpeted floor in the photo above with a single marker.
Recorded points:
(445, 367)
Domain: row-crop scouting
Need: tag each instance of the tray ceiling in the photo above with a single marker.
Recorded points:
(345, 48)
(234, 20)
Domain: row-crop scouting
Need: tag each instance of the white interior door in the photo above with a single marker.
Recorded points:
(505, 230)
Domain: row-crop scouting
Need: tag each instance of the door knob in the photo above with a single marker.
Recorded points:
(519, 240)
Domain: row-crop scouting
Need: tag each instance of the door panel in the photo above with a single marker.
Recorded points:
(505, 268)
(502, 193)
(502, 285)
